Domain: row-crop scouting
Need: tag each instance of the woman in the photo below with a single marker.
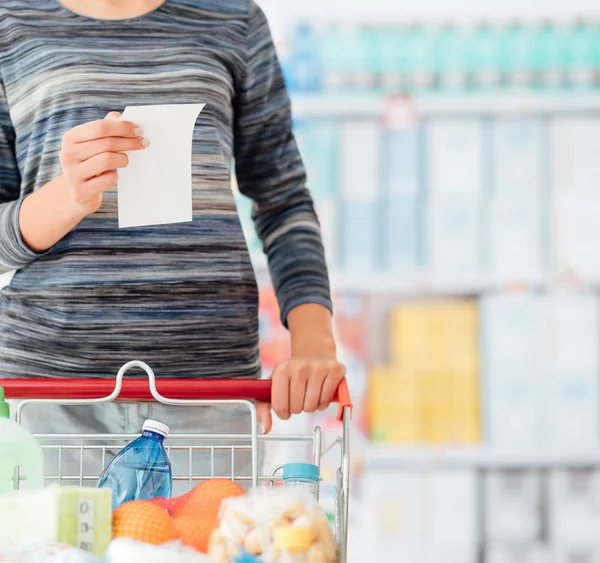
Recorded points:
(87, 297)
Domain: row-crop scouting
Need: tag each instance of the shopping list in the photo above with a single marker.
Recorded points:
(156, 187)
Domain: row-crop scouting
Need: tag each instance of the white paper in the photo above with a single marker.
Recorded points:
(156, 187)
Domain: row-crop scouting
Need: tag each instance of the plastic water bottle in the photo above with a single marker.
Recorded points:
(303, 475)
(18, 449)
(142, 470)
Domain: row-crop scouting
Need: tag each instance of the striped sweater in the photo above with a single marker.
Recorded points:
(181, 297)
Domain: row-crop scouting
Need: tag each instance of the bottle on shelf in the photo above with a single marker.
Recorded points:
(484, 57)
(142, 470)
(391, 53)
(516, 54)
(304, 64)
(549, 57)
(451, 57)
(419, 55)
(580, 54)
(20, 453)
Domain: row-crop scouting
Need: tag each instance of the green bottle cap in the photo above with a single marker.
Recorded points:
(4, 406)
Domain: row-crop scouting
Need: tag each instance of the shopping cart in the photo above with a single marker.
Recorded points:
(177, 392)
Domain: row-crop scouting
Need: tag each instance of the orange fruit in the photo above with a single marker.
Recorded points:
(143, 521)
(205, 500)
(195, 532)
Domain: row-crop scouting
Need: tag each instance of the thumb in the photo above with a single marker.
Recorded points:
(263, 411)
(113, 115)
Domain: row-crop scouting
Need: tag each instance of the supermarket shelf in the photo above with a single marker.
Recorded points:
(403, 285)
(509, 103)
(398, 457)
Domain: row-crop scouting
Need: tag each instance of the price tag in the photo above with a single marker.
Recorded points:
(85, 524)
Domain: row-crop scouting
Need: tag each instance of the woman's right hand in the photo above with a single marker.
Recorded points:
(91, 154)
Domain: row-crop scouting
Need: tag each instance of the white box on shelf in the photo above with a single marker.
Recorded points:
(402, 205)
(453, 239)
(516, 239)
(455, 156)
(518, 157)
(572, 385)
(513, 506)
(395, 513)
(360, 179)
(512, 331)
(589, 553)
(453, 517)
(575, 142)
(576, 230)
(513, 410)
(574, 507)
(520, 553)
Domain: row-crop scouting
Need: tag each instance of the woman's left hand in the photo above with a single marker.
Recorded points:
(301, 384)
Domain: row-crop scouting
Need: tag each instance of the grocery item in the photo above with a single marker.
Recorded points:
(74, 516)
(142, 470)
(303, 475)
(206, 498)
(19, 449)
(43, 551)
(124, 550)
(251, 523)
(143, 521)
(195, 532)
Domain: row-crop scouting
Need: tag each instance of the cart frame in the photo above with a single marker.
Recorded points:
(178, 392)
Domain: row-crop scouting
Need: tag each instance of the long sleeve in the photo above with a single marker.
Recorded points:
(270, 171)
(14, 253)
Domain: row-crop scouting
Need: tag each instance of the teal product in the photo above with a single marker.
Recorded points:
(451, 58)
(372, 59)
(517, 55)
(419, 58)
(392, 58)
(344, 55)
(305, 476)
(582, 55)
(19, 450)
(141, 470)
(304, 65)
(549, 57)
(484, 57)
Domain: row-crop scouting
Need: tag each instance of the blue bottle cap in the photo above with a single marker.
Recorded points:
(301, 471)
(247, 558)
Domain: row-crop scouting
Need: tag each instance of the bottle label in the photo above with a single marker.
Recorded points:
(85, 524)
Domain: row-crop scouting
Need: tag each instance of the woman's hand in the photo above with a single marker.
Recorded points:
(307, 382)
(91, 154)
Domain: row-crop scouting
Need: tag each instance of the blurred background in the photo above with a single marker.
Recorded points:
(453, 152)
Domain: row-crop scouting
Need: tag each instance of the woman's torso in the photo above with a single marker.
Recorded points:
(181, 297)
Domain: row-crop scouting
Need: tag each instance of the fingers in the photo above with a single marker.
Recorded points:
(330, 385)
(263, 411)
(84, 151)
(305, 385)
(109, 127)
(94, 188)
(102, 163)
(280, 393)
(298, 385)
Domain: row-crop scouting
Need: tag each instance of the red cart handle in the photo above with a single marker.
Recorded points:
(139, 389)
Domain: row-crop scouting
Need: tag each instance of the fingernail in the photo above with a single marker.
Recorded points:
(145, 142)
(138, 131)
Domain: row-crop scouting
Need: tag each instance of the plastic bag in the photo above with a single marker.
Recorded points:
(248, 524)
(123, 550)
